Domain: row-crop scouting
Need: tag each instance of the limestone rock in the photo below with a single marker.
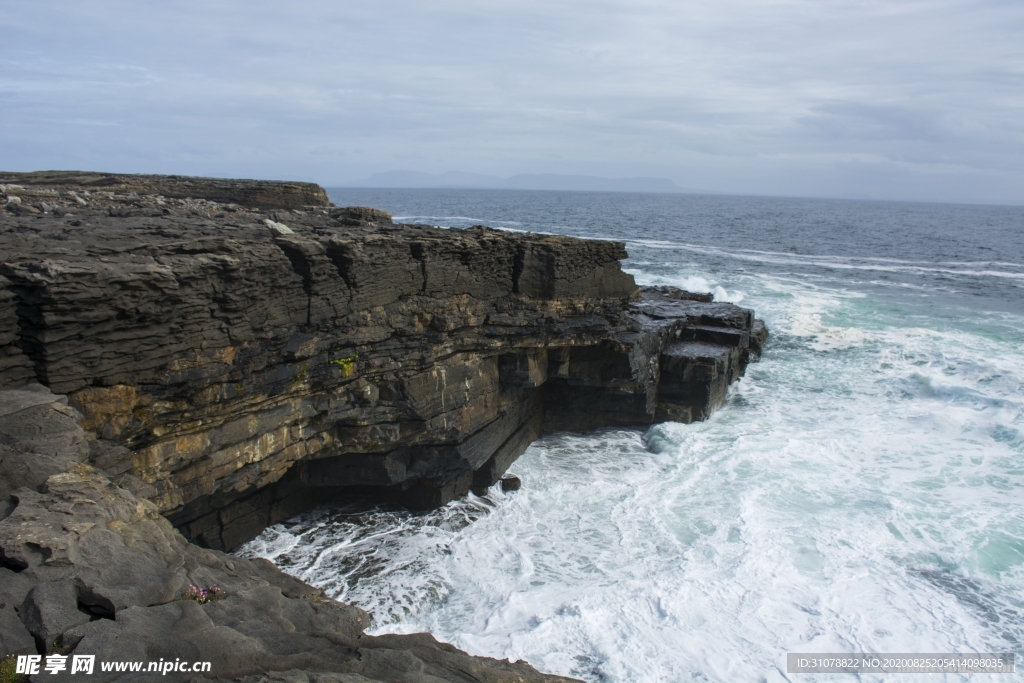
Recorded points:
(39, 437)
(14, 636)
(234, 380)
(218, 381)
(50, 609)
(361, 214)
(250, 193)
(278, 228)
(90, 568)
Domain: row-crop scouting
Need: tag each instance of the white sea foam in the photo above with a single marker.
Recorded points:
(956, 269)
(691, 283)
(861, 490)
(461, 222)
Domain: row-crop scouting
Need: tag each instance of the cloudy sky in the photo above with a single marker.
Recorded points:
(899, 99)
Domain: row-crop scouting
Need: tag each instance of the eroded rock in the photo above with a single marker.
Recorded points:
(89, 568)
(235, 380)
(225, 380)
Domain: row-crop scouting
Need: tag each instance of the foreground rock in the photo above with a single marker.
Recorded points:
(87, 567)
(235, 366)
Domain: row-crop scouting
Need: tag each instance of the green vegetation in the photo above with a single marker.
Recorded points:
(8, 666)
(346, 364)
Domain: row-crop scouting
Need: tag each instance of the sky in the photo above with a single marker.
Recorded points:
(888, 99)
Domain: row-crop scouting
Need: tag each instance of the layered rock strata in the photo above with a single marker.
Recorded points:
(233, 352)
(234, 366)
(71, 189)
(89, 568)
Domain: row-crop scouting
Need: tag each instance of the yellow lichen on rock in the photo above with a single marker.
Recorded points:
(106, 411)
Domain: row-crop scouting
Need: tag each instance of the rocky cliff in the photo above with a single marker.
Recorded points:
(87, 567)
(234, 366)
(262, 194)
(235, 352)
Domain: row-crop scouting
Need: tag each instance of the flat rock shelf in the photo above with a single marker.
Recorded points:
(186, 361)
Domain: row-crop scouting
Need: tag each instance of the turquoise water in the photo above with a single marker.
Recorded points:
(862, 490)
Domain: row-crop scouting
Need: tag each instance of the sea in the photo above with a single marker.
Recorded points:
(861, 490)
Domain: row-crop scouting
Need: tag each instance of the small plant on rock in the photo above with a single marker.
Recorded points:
(203, 595)
(8, 666)
(59, 648)
(346, 364)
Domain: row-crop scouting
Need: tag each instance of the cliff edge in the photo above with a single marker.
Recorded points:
(235, 352)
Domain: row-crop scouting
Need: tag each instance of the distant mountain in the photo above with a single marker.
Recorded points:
(417, 179)
(523, 181)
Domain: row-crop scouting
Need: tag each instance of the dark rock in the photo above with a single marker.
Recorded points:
(15, 366)
(253, 193)
(50, 609)
(224, 378)
(511, 483)
(14, 587)
(233, 377)
(14, 637)
(22, 209)
(695, 378)
(39, 437)
(758, 336)
(667, 292)
(101, 572)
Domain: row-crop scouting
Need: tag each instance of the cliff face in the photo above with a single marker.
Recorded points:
(233, 352)
(87, 567)
(234, 366)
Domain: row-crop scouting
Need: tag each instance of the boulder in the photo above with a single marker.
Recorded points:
(511, 483)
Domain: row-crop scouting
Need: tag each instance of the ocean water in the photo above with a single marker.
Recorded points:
(862, 490)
